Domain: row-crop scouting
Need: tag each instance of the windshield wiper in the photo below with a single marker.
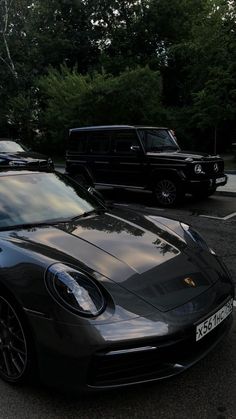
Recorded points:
(88, 213)
(52, 222)
(31, 225)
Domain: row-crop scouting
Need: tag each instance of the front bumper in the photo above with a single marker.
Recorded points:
(205, 184)
(143, 349)
(151, 361)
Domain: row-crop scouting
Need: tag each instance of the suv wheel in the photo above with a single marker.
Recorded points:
(167, 192)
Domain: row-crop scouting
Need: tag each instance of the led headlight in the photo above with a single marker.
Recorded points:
(15, 163)
(198, 169)
(74, 290)
(196, 238)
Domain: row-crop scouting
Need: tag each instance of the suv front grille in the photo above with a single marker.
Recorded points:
(208, 167)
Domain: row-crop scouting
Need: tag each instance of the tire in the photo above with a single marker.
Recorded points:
(167, 192)
(17, 363)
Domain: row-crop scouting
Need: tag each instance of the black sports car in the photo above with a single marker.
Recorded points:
(13, 155)
(92, 297)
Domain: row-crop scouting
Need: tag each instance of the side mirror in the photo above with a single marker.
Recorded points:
(135, 148)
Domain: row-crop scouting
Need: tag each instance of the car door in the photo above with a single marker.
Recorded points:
(127, 159)
(98, 154)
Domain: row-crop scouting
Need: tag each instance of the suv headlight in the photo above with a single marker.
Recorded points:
(197, 238)
(198, 169)
(74, 290)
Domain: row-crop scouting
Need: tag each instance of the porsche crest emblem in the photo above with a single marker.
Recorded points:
(190, 282)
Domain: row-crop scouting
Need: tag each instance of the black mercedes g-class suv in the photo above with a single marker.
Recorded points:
(144, 158)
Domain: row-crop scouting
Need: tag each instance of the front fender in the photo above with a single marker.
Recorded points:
(175, 174)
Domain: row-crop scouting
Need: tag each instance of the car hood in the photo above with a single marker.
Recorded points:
(183, 155)
(23, 155)
(138, 253)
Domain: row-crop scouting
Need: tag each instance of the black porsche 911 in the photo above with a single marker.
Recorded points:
(93, 297)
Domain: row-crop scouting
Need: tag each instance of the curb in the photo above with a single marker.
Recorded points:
(230, 172)
(225, 193)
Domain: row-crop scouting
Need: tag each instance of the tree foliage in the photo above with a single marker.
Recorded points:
(71, 99)
(74, 62)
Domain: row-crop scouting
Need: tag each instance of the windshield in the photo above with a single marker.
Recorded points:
(34, 198)
(10, 147)
(157, 140)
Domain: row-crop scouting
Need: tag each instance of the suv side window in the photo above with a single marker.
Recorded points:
(78, 142)
(98, 142)
(156, 139)
(123, 140)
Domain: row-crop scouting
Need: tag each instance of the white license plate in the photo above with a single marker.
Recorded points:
(220, 179)
(209, 324)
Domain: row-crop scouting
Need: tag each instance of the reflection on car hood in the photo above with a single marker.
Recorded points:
(23, 155)
(141, 256)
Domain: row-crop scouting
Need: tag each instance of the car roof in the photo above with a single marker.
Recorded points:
(113, 127)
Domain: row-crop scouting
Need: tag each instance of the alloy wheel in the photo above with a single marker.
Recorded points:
(166, 192)
(13, 346)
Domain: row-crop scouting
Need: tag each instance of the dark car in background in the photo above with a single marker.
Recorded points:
(13, 155)
(142, 158)
(94, 297)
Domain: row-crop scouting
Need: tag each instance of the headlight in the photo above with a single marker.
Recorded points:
(16, 163)
(50, 162)
(198, 169)
(75, 290)
(197, 238)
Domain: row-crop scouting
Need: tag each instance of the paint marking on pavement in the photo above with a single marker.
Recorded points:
(120, 205)
(227, 217)
(154, 208)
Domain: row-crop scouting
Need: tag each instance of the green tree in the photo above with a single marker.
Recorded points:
(71, 99)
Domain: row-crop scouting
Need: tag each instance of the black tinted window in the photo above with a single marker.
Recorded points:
(78, 141)
(99, 142)
(157, 140)
(123, 140)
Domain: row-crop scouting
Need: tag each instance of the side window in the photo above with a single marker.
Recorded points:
(78, 142)
(98, 142)
(123, 140)
(155, 139)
